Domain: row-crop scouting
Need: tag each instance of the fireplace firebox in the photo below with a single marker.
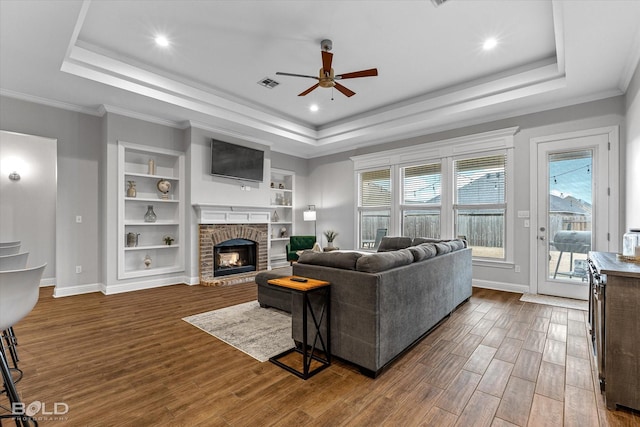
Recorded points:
(234, 256)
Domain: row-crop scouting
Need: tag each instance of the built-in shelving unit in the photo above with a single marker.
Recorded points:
(134, 165)
(281, 225)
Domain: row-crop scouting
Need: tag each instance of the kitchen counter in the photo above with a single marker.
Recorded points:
(608, 263)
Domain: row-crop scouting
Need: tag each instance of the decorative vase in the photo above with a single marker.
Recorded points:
(275, 217)
(631, 244)
(150, 216)
(330, 244)
(147, 261)
(131, 190)
(152, 167)
(132, 239)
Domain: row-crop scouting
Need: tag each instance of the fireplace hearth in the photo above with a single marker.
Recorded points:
(232, 253)
(234, 256)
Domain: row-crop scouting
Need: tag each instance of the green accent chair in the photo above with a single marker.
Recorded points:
(298, 243)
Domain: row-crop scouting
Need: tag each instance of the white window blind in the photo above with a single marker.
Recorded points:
(480, 181)
(422, 184)
(375, 188)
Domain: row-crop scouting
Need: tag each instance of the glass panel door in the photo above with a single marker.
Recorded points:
(569, 214)
(571, 217)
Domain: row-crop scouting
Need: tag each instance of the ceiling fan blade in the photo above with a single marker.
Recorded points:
(364, 73)
(309, 90)
(280, 73)
(346, 92)
(327, 58)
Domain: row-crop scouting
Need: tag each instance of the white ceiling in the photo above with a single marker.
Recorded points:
(94, 56)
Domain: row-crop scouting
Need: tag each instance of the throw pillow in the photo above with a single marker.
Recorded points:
(419, 240)
(335, 259)
(382, 261)
(429, 249)
(394, 243)
(417, 252)
(442, 248)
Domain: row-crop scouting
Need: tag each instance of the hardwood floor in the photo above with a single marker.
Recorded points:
(129, 359)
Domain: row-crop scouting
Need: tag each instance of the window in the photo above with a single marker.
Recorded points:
(374, 206)
(480, 204)
(421, 200)
(441, 189)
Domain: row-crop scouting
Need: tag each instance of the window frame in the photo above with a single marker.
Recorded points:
(456, 206)
(404, 207)
(362, 209)
(445, 151)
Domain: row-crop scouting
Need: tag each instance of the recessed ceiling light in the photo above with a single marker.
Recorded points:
(162, 41)
(489, 43)
(313, 107)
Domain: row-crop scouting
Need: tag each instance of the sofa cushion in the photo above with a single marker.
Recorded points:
(457, 244)
(442, 248)
(418, 253)
(429, 249)
(336, 259)
(382, 261)
(394, 243)
(423, 251)
(419, 240)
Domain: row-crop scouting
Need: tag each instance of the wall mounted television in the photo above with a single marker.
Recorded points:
(236, 161)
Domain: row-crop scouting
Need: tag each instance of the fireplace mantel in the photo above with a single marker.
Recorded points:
(217, 214)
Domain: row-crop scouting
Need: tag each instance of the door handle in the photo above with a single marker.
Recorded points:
(541, 237)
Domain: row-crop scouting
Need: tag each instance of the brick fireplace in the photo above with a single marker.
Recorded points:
(221, 246)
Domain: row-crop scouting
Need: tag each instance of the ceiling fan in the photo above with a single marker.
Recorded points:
(326, 76)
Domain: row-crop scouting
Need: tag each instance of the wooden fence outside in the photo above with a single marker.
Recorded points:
(485, 230)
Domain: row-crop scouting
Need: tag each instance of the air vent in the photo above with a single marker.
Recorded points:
(437, 3)
(269, 83)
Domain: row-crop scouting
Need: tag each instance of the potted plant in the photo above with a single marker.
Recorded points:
(331, 236)
(168, 240)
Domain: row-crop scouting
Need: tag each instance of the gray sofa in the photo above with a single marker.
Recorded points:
(381, 303)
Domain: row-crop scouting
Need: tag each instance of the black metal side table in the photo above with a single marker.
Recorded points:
(305, 287)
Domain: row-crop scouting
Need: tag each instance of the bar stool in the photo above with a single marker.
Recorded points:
(15, 242)
(10, 249)
(13, 262)
(19, 292)
(16, 261)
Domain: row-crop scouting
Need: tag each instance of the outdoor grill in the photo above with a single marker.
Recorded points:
(574, 242)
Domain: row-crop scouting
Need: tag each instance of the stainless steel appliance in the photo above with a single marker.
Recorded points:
(597, 295)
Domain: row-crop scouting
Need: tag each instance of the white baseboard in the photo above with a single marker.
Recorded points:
(47, 281)
(68, 291)
(193, 281)
(145, 284)
(500, 286)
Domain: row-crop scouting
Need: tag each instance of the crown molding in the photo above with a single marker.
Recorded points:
(50, 102)
(632, 63)
(105, 108)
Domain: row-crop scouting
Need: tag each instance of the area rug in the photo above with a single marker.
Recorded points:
(259, 332)
(556, 301)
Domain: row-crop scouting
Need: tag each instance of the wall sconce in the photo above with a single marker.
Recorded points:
(14, 176)
(310, 215)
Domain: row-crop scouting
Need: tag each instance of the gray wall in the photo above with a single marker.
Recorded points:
(87, 184)
(332, 186)
(78, 161)
(28, 206)
(203, 188)
(632, 180)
